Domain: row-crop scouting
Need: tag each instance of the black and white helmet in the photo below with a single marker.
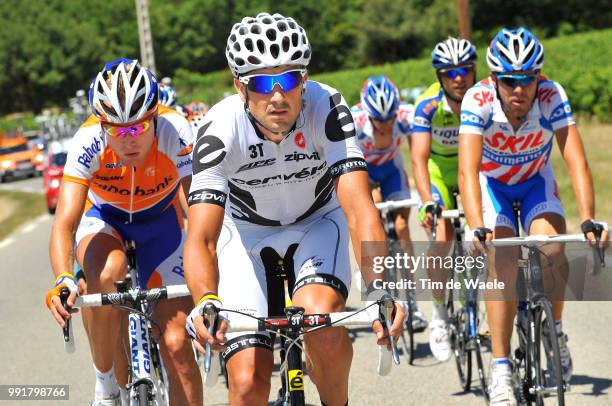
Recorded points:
(453, 52)
(266, 41)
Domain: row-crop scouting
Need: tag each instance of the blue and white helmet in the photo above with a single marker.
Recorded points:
(380, 98)
(167, 95)
(515, 51)
(453, 52)
(123, 92)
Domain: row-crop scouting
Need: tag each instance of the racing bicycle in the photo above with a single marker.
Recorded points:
(395, 274)
(147, 381)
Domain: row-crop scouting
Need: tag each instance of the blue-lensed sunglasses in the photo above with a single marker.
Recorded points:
(452, 73)
(264, 83)
(513, 81)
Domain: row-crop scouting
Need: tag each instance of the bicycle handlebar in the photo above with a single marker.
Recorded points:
(300, 321)
(115, 298)
(451, 214)
(396, 204)
(132, 296)
(533, 240)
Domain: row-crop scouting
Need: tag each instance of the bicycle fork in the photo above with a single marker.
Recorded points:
(140, 355)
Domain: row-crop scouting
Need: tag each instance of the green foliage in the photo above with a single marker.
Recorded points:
(580, 62)
(51, 48)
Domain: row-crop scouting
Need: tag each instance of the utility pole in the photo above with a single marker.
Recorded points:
(465, 23)
(147, 58)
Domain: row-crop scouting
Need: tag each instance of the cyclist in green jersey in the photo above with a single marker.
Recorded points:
(435, 160)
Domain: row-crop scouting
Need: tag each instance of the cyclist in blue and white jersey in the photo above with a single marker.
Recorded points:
(382, 122)
(277, 174)
(508, 123)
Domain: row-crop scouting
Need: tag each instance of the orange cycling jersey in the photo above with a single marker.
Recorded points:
(131, 193)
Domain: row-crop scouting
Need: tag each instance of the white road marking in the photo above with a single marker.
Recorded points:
(29, 227)
(6, 242)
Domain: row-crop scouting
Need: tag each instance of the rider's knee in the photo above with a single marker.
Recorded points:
(327, 341)
(249, 385)
(177, 346)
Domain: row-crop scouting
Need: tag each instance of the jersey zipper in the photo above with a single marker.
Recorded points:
(132, 193)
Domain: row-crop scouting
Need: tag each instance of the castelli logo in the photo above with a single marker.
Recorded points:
(300, 141)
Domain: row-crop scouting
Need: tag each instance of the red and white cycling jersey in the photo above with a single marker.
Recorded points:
(508, 156)
(365, 136)
(127, 192)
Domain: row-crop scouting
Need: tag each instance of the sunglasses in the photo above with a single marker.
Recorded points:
(513, 81)
(265, 83)
(452, 73)
(133, 130)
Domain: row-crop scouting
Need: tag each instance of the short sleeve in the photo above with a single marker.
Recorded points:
(476, 110)
(84, 154)
(210, 163)
(336, 135)
(555, 105)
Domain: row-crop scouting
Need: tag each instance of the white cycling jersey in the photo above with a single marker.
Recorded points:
(509, 156)
(402, 129)
(273, 184)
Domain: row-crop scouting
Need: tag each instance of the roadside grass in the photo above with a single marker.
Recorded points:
(25, 206)
(596, 138)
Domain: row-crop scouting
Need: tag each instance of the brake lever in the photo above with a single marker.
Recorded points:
(386, 310)
(597, 231)
(209, 313)
(67, 329)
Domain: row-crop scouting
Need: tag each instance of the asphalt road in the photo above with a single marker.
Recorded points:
(31, 349)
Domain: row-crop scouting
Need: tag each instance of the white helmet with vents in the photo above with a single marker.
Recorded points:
(266, 41)
(123, 92)
(453, 52)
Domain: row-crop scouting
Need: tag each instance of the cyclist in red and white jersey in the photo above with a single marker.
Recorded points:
(278, 178)
(382, 122)
(508, 123)
(121, 181)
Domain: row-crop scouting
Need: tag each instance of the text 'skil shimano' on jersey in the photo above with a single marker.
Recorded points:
(131, 193)
(273, 184)
(402, 129)
(510, 156)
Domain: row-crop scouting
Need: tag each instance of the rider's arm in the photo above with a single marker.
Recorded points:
(572, 150)
(200, 254)
(183, 191)
(67, 217)
(361, 214)
(421, 150)
(470, 154)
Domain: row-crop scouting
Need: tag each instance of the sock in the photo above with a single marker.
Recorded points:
(558, 326)
(106, 384)
(501, 366)
(439, 312)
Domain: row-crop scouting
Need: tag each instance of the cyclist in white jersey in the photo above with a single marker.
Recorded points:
(508, 122)
(382, 122)
(277, 175)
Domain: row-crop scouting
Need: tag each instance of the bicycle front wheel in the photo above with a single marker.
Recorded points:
(408, 335)
(463, 356)
(143, 394)
(546, 382)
